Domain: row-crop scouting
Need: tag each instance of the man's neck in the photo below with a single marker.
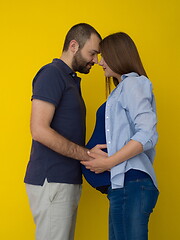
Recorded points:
(66, 59)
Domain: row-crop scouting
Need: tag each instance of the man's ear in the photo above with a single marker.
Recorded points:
(73, 46)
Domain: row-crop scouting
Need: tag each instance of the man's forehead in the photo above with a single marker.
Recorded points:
(93, 43)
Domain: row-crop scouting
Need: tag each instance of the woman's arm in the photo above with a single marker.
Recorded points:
(139, 102)
(101, 164)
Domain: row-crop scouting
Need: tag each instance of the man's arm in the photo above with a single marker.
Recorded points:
(41, 117)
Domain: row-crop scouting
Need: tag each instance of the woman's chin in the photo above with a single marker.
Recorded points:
(107, 75)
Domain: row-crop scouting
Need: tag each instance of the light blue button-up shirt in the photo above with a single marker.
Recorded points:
(131, 114)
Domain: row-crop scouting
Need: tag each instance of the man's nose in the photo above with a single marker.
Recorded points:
(95, 59)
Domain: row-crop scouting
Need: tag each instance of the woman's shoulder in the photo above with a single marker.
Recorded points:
(135, 80)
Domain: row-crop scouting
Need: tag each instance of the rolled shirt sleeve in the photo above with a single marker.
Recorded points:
(140, 103)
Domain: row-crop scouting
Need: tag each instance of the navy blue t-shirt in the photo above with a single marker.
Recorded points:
(98, 137)
(58, 84)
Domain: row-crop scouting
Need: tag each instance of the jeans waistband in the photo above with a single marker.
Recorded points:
(130, 175)
(134, 174)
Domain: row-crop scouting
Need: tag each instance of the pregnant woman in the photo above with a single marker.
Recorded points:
(130, 132)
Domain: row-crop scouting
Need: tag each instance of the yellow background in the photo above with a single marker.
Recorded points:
(32, 34)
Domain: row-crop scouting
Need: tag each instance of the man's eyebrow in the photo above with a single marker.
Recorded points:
(95, 51)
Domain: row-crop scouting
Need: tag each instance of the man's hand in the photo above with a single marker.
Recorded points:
(98, 150)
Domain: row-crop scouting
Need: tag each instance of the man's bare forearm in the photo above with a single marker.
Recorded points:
(59, 144)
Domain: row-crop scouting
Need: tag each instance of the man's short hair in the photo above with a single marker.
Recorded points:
(81, 33)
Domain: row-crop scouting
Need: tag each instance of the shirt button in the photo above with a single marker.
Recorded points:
(107, 117)
(109, 142)
(107, 130)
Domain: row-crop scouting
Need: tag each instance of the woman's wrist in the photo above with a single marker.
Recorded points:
(111, 162)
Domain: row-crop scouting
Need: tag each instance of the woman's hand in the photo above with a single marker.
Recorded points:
(99, 164)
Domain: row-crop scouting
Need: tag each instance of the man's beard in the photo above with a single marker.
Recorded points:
(79, 64)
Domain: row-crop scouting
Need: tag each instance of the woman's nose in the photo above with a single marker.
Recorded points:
(100, 62)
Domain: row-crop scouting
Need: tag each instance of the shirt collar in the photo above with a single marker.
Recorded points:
(132, 74)
(66, 68)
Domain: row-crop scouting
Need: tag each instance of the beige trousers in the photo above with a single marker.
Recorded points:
(54, 208)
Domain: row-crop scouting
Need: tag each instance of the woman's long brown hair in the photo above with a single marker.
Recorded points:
(121, 55)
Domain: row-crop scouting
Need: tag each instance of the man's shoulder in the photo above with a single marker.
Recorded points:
(49, 68)
(50, 71)
(49, 74)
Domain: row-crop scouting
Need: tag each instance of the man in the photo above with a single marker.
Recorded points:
(53, 177)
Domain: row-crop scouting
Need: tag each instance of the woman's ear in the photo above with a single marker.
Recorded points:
(73, 46)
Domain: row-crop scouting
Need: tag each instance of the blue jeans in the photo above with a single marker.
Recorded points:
(130, 209)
